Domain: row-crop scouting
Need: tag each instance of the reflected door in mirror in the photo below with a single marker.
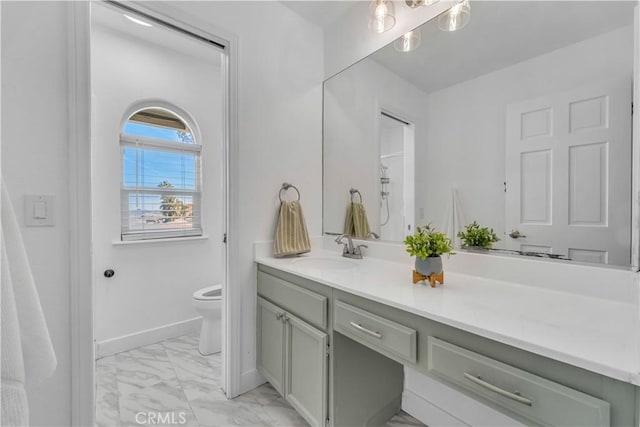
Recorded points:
(568, 165)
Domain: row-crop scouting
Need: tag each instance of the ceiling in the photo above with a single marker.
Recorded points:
(321, 13)
(113, 19)
(499, 34)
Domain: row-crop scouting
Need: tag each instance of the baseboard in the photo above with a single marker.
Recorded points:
(426, 412)
(147, 337)
(250, 380)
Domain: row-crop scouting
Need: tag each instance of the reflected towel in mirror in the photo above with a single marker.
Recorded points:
(356, 223)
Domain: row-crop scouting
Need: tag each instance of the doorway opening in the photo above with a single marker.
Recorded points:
(396, 177)
(159, 156)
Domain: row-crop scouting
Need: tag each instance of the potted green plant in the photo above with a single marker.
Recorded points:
(475, 236)
(427, 245)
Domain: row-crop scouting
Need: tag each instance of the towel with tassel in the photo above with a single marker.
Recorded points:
(291, 237)
(356, 223)
(26, 349)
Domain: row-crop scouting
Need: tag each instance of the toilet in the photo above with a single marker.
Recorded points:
(208, 302)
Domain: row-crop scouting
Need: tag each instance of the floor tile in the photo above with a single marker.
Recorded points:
(107, 405)
(403, 420)
(174, 384)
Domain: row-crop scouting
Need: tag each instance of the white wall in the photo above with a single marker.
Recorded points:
(470, 118)
(35, 161)
(154, 282)
(280, 129)
(353, 101)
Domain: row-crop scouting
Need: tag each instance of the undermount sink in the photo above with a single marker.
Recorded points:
(326, 263)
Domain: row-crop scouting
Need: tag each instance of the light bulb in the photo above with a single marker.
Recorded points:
(456, 17)
(381, 10)
(417, 3)
(408, 42)
(381, 16)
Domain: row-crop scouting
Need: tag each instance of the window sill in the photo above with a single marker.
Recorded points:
(159, 241)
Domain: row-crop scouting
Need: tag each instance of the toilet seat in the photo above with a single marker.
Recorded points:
(212, 293)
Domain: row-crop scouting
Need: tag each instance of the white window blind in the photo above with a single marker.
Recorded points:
(161, 179)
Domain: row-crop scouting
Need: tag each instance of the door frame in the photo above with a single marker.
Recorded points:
(81, 269)
(409, 144)
(635, 147)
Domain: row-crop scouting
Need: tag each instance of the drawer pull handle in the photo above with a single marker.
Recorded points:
(365, 330)
(500, 391)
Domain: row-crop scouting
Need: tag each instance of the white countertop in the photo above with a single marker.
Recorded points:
(596, 334)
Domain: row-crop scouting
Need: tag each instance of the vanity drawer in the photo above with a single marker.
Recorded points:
(308, 305)
(533, 397)
(376, 332)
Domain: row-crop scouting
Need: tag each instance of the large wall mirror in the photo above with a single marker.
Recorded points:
(521, 121)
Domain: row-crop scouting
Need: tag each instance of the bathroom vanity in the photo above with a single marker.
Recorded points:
(525, 129)
(334, 335)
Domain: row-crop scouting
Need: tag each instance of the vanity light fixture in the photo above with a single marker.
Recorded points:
(408, 42)
(456, 17)
(381, 15)
(137, 21)
(417, 3)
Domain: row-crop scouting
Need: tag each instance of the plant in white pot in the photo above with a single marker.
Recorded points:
(427, 245)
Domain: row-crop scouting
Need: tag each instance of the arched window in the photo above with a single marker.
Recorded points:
(161, 180)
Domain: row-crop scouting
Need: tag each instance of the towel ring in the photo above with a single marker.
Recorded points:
(285, 187)
(353, 192)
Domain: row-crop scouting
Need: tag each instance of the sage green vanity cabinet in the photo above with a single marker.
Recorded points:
(537, 399)
(338, 359)
(293, 345)
(271, 340)
(292, 355)
(607, 399)
(306, 370)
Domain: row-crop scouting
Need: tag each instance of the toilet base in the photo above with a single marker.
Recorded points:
(210, 337)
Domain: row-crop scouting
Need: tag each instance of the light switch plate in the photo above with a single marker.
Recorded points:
(39, 210)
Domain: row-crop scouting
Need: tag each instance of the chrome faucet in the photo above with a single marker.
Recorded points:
(349, 250)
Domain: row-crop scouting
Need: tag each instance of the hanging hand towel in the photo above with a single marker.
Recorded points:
(348, 221)
(291, 237)
(356, 223)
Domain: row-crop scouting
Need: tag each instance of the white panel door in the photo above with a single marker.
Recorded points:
(568, 174)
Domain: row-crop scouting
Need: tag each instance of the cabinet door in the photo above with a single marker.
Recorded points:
(271, 329)
(307, 364)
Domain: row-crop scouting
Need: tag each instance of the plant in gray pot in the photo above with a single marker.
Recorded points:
(427, 245)
(475, 236)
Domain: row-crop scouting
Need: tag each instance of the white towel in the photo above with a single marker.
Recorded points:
(15, 410)
(29, 353)
(453, 221)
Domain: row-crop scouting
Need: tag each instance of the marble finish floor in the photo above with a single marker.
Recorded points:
(171, 383)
